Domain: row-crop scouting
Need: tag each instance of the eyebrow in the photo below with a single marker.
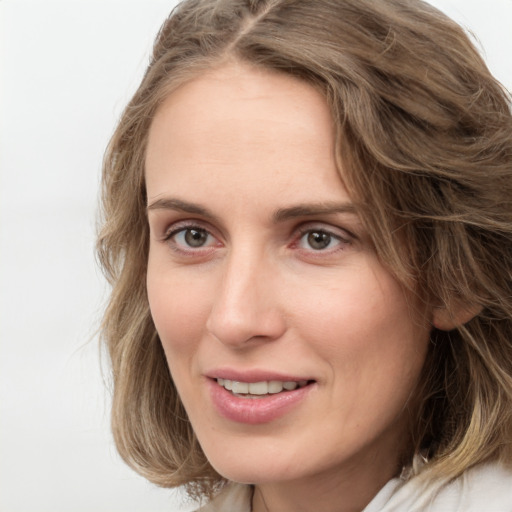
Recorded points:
(280, 215)
(311, 209)
(170, 203)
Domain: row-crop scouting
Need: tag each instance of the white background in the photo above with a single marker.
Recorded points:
(67, 68)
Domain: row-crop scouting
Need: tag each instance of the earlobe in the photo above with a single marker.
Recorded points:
(445, 319)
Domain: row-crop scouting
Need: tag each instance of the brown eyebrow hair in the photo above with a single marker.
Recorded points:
(170, 203)
(280, 215)
(307, 210)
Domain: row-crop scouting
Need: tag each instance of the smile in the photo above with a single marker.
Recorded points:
(258, 402)
(259, 389)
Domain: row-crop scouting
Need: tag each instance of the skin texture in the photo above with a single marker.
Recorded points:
(243, 144)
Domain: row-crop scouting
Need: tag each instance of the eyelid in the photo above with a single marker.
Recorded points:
(171, 234)
(180, 225)
(343, 239)
(343, 234)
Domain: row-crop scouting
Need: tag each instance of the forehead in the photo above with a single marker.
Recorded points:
(244, 127)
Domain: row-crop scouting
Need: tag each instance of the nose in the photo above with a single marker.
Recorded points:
(246, 308)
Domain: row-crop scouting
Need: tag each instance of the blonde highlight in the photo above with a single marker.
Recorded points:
(424, 138)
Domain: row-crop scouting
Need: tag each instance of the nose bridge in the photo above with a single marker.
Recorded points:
(245, 305)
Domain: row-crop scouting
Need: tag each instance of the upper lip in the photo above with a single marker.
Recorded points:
(254, 375)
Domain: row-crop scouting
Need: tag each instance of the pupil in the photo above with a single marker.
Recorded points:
(195, 238)
(318, 240)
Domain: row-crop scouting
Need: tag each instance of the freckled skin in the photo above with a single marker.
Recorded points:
(243, 143)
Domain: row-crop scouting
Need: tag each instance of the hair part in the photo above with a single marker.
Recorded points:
(424, 139)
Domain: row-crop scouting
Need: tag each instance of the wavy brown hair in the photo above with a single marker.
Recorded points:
(426, 139)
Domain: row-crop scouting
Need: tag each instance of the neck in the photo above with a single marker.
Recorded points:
(349, 489)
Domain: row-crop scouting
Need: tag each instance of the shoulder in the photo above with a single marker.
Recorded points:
(233, 498)
(485, 487)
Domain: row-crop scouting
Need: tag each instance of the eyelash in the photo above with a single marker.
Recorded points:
(184, 228)
(308, 229)
(343, 240)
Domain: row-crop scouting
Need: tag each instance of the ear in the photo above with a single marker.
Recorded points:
(446, 320)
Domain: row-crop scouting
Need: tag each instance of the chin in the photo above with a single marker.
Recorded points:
(249, 473)
(253, 466)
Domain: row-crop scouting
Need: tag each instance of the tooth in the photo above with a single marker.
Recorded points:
(275, 386)
(258, 388)
(240, 387)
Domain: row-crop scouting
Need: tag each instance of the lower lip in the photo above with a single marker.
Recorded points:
(254, 411)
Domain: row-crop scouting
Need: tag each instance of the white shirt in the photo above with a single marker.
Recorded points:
(484, 488)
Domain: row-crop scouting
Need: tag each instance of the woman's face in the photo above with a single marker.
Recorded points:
(262, 279)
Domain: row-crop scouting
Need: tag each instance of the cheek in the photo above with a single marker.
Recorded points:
(369, 330)
(179, 308)
(388, 347)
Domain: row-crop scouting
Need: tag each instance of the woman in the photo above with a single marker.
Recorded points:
(308, 231)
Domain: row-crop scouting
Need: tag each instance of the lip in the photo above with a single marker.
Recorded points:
(254, 375)
(255, 411)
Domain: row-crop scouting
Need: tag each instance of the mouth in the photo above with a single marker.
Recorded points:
(259, 401)
(261, 389)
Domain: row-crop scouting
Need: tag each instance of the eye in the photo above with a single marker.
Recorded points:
(190, 237)
(318, 240)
